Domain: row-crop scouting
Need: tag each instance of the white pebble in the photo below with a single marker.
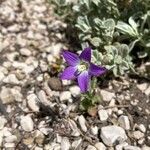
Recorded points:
(82, 123)
(3, 121)
(107, 96)
(94, 130)
(32, 102)
(124, 122)
(65, 144)
(65, 96)
(100, 146)
(75, 90)
(112, 134)
(27, 123)
(90, 147)
(25, 52)
(103, 115)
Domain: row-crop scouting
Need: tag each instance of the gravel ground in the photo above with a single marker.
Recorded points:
(40, 112)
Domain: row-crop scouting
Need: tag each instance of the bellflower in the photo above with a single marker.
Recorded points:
(81, 67)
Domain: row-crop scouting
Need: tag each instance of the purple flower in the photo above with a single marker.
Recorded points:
(80, 67)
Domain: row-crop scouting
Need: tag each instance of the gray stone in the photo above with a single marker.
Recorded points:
(112, 135)
(124, 122)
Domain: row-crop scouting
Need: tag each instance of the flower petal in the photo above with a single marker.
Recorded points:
(83, 81)
(71, 58)
(86, 54)
(96, 70)
(68, 73)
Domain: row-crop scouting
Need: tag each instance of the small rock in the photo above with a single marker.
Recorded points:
(142, 128)
(43, 98)
(2, 76)
(11, 139)
(94, 130)
(112, 135)
(138, 134)
(65, 96)
(92, 111)
(145, 148)
(65, 144)
(131, 148)
(9, 145)
(1, 140)
(11, 79)
(147, 91)
(55, 84)
(90, 147)
(76, 143)
(55, 49)
(100, 146)
(39, 137)
(3, 121)
(124, 122)
(107, 96)
(25, 52)
(142, 86)
(74, 128)
(75, 90)
(103, 115)
(6, 95)
(27, 123)
(16, 92)
(28, 140)
(32, 102)
(38, 148)
(82, 123)
(121, 146)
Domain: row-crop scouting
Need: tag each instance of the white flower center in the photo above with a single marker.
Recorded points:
(81, 68)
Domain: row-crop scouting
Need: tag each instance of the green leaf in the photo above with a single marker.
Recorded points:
(124, 28)
(96, 41)
(96, 2)
(133, 24)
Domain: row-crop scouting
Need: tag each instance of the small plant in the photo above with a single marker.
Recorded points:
(81, 68)
(115, 29)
